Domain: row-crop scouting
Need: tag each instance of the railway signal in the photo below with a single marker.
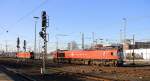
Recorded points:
(133, 54)
(18, 44)
(24, 45)
(43, 34)
(44, 19)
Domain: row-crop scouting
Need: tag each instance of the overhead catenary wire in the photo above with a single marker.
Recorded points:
(22, 18)
(26, 15)
(33, 10)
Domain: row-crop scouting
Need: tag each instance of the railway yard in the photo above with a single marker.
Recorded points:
(71, 72)
(74, 40)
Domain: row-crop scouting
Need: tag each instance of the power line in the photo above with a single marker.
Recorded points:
(28, 14)
(23, 17)
(137, 18)
(33, 10)
(3, 29)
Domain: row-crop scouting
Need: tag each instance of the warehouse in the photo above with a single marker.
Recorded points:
(140, 54)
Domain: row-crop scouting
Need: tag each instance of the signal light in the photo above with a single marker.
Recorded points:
(41, 34)
(18, 42)
(43, 29)
(44, 19)
(24, 45)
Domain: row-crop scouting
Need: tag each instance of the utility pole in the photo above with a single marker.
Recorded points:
(1, 47)
(57, 39)
(43, 34)
(93, 37)
(36, 18)
(124, 40)
(133, 54)
(56, 42)
(6, 43)
(120, 36)
(96, 40)
(125, 24)
(101, 40)
(6, 47)
(82, 41)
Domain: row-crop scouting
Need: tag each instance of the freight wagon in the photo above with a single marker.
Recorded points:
(111, 57)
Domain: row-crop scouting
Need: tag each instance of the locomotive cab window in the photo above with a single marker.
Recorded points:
(61, 55)
(113, 54)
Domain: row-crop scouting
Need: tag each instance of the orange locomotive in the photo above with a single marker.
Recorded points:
(110, 57)
(25, 55)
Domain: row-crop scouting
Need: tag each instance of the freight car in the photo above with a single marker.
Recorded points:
(111, 57)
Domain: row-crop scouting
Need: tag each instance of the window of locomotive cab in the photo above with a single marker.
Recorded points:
(61, 55)
(113, 54)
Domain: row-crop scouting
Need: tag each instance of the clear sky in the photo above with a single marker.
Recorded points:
(70, 17)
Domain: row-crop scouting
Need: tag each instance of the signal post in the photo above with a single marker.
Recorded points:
(43, 34)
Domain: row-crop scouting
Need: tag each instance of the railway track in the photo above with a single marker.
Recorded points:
(82, 76)
(16, 76)
(90, 73)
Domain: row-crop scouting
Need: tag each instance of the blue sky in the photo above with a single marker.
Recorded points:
(70, 17)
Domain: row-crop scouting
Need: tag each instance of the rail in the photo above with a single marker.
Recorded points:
(84, 76)
(22, 75)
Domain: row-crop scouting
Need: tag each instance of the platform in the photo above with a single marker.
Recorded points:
(4, 77)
